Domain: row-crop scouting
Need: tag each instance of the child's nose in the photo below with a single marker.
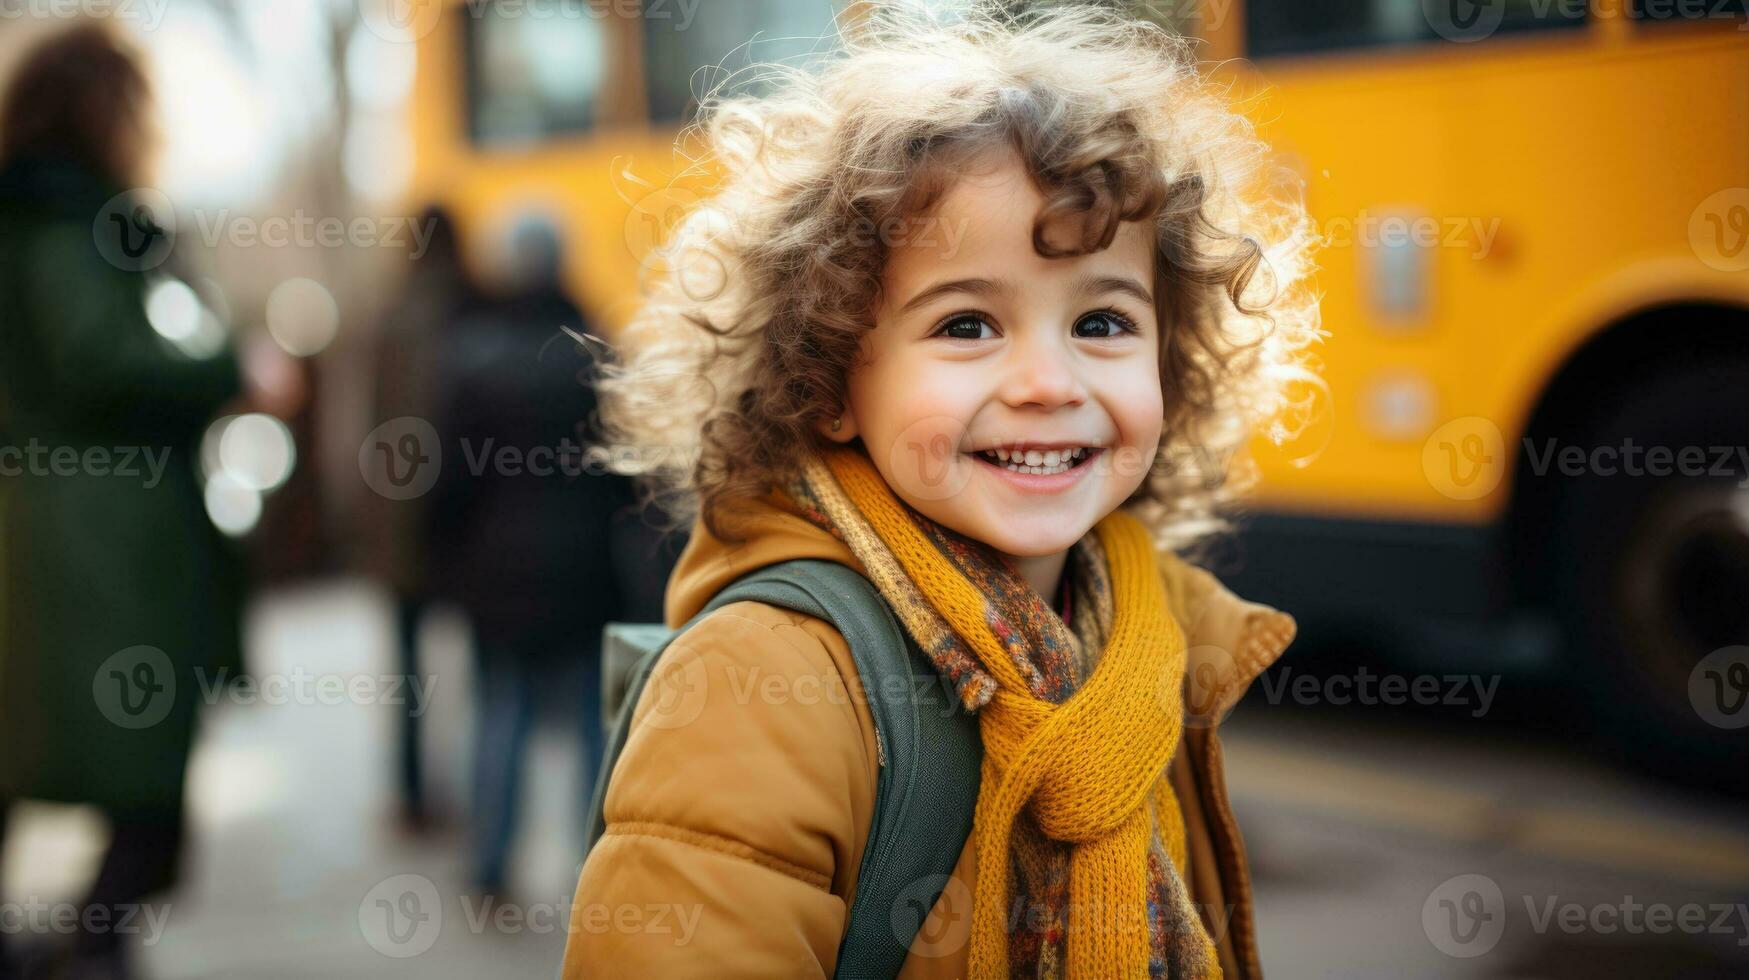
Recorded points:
(1040, 372)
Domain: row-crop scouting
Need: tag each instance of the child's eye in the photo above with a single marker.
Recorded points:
(964, 326)
(1104, 323)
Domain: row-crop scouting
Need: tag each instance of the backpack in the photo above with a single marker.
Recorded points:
(930, 750)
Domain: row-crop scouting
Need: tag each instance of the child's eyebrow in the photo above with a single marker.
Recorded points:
(977, 287)
(1097, 285)
(1090, 286)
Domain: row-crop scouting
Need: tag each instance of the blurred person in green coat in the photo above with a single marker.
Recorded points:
(118, 597)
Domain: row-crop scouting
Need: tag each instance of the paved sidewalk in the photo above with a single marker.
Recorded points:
(291, 809)
(1384, 850)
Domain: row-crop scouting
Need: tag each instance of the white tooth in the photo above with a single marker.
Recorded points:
(1052, 457)
(1034, 457)
(1002, 454)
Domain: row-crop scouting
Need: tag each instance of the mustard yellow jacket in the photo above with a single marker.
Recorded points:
(738, 811)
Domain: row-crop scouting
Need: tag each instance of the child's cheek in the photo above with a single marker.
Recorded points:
(1138, 408)
(914, 418)
(933, 410)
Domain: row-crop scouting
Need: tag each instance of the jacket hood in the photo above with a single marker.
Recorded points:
(1229, 640)
(772, 533)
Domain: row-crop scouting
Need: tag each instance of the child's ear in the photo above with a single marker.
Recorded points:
(839, 428)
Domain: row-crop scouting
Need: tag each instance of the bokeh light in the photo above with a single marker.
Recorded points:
(257, 451)
(302, 316)
(234, 508)
(173, 310)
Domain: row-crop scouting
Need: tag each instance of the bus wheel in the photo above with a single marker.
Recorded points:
(1651, 547)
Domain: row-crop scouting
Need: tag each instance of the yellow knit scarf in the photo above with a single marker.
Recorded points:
(1092, 769)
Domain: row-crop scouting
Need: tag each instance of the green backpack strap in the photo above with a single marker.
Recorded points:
(930, 752)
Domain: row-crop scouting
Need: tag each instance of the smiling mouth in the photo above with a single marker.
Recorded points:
(1038, 462)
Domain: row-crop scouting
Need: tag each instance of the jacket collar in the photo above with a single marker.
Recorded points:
(1229, 640)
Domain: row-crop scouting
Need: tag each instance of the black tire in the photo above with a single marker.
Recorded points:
(1652, 573)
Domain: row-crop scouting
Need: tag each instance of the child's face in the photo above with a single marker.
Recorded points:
(981, 344)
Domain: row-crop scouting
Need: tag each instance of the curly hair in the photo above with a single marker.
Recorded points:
(757, 307)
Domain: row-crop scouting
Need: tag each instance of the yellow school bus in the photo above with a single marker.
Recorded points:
(1536, 287)
(1537, 294)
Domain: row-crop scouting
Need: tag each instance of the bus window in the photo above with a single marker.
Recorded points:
(1663, 10)
(1280, 27)
(531, 77)
(717, 40)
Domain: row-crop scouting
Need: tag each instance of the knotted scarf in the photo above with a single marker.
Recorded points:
(1078, 725)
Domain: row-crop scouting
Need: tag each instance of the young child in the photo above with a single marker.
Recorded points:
(980, 310)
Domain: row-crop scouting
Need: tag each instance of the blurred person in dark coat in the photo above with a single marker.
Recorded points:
(118, 590)
(437, 292)
(522, 526)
